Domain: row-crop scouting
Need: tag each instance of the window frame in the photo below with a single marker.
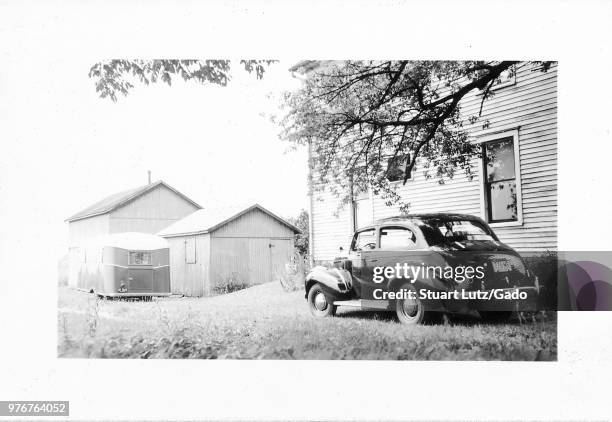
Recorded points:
(195, 250)
(357, 233)
(404, 248)
(408, 157)
(354, 205)
(130, 263)
(504, 84)
(484, 201)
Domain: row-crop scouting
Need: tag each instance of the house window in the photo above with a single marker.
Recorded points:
(396, 168)
(397, 238)
(506, 78)
(139, 258)
(360, 207)
(190, 250)
(502, 189)
(361, 210)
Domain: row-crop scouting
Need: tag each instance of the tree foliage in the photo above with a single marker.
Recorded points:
(113, 77)
(363, 118)
(301, 240)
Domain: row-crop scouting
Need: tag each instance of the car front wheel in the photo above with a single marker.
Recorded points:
(320, 304)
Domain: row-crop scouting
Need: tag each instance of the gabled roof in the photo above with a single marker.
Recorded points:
(117, 200)
(209, 220)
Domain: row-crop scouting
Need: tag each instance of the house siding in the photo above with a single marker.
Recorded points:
(530, 107)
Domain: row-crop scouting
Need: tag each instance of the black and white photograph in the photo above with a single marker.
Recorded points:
(444, 166)
(235, 210)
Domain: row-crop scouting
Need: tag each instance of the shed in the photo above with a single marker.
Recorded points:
(145, 209)
(212, 250)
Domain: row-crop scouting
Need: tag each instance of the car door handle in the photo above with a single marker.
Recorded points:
(373, 260)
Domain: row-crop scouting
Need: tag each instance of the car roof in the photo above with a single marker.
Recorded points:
(413, 218)
(431, 216)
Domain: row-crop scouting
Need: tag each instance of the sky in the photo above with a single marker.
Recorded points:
(217, 145)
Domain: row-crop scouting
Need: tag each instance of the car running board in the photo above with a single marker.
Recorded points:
(355, 303)
(363, 304)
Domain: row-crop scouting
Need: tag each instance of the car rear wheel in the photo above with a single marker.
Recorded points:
(410, 311)
(320, 304)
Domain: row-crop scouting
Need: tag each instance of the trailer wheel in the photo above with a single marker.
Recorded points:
(319, 303)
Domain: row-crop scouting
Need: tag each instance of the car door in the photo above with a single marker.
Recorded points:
(361, 249)
(401, 245)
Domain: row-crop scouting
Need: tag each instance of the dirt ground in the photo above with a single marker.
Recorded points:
(264, 322)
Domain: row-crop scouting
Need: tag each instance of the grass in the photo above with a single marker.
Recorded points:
(264, 322)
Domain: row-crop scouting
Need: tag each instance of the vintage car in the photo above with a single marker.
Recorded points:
(422, 266)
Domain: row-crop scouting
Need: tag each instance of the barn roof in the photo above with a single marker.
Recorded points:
(209, 220)
(117, 200)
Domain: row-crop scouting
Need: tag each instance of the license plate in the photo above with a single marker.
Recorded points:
(501, 266)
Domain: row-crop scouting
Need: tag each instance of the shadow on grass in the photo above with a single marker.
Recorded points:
(465, 319)
(368, 315)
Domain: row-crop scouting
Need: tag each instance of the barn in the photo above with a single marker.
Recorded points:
(145, 209)
(214, 249)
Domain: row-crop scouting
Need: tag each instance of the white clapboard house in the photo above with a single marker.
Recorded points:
(522, 129)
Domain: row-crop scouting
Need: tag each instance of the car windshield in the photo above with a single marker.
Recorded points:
(443, 231)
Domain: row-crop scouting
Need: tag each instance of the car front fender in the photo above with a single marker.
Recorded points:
(335, 279)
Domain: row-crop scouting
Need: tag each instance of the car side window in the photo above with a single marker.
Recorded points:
(397, 238)
(364, 240)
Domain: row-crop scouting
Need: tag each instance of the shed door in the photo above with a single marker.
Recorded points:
(280, 255)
